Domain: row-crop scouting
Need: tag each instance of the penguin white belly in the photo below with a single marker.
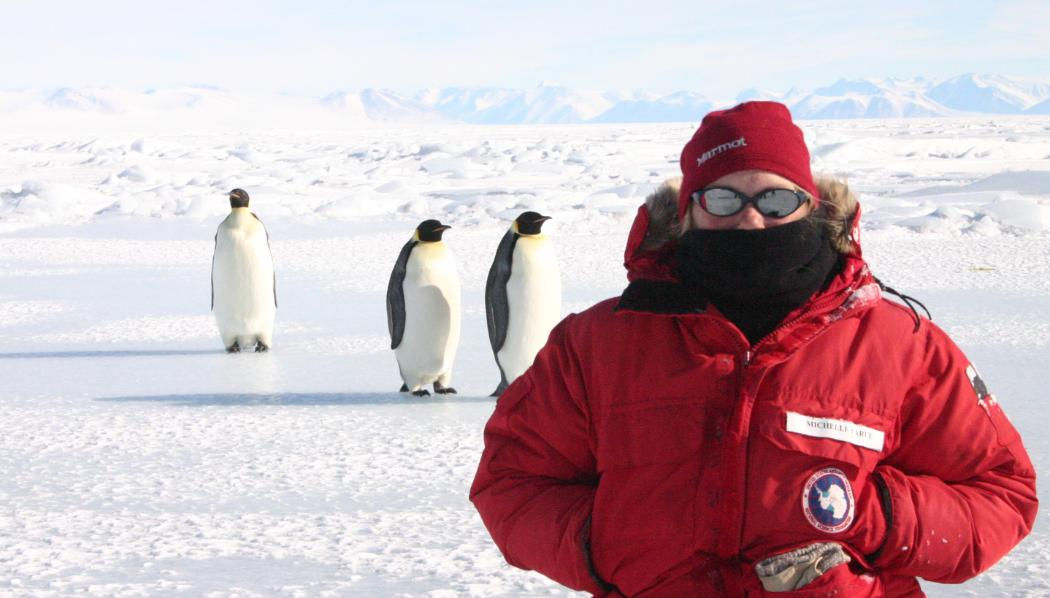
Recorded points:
(432, 316)
(534, 302)
(243, 285)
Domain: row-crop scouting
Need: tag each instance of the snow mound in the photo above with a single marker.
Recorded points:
(1023, 213)
(37, 203)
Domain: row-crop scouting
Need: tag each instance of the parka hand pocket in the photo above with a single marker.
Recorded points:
(839, 582)
(815, 571)
(796, 569)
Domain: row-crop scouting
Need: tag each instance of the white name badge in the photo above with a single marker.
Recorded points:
(836, 429)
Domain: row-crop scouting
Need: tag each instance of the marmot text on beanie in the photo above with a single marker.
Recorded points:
(711, 153)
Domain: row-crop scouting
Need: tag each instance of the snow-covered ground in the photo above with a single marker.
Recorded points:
(139, 459)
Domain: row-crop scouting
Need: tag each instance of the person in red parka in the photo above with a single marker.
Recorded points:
(751, 416)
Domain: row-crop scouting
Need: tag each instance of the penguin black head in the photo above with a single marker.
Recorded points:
(530, 223)
(430, 230)
(238, 198)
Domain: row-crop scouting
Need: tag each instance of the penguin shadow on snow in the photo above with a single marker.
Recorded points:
(294, 399)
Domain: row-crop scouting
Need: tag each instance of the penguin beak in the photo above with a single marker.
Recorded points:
(442, 228)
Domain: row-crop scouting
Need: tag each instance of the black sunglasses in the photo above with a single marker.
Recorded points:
(772, 203)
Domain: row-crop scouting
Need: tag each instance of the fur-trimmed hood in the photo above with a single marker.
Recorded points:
(651, 241)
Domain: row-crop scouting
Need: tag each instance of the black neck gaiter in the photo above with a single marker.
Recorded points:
(756, 277)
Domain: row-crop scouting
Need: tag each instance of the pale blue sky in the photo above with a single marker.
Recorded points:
(717, 48)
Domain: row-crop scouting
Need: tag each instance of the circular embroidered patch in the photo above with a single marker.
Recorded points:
(827, 500)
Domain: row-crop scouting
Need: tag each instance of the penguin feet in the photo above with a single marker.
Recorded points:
(234, 348)
(404, 388)
(261, 347)
(422, 392)
(441, 389)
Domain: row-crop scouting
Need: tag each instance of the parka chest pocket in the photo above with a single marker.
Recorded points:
(846, 436)
(651, 432)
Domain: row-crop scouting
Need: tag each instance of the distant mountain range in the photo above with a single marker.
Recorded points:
(553, 104)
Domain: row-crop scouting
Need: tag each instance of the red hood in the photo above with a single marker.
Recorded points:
(652, 264)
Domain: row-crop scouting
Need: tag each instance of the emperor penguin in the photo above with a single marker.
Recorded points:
(423, 311)
(243, 283)
(522, 296)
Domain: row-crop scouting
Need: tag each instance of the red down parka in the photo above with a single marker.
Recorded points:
(651, 451)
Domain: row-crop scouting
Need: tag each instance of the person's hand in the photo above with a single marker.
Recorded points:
(795, 569)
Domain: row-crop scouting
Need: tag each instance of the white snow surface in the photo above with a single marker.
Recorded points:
(139, 459)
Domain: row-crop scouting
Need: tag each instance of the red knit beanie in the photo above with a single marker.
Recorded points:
(749, 136)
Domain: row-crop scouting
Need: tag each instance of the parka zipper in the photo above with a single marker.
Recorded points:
(745, 362)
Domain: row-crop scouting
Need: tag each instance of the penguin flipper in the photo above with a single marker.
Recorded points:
(271, 257)
(395, 296)
(497, 308)
(499, 389)
(214, 250)
(503, 384)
